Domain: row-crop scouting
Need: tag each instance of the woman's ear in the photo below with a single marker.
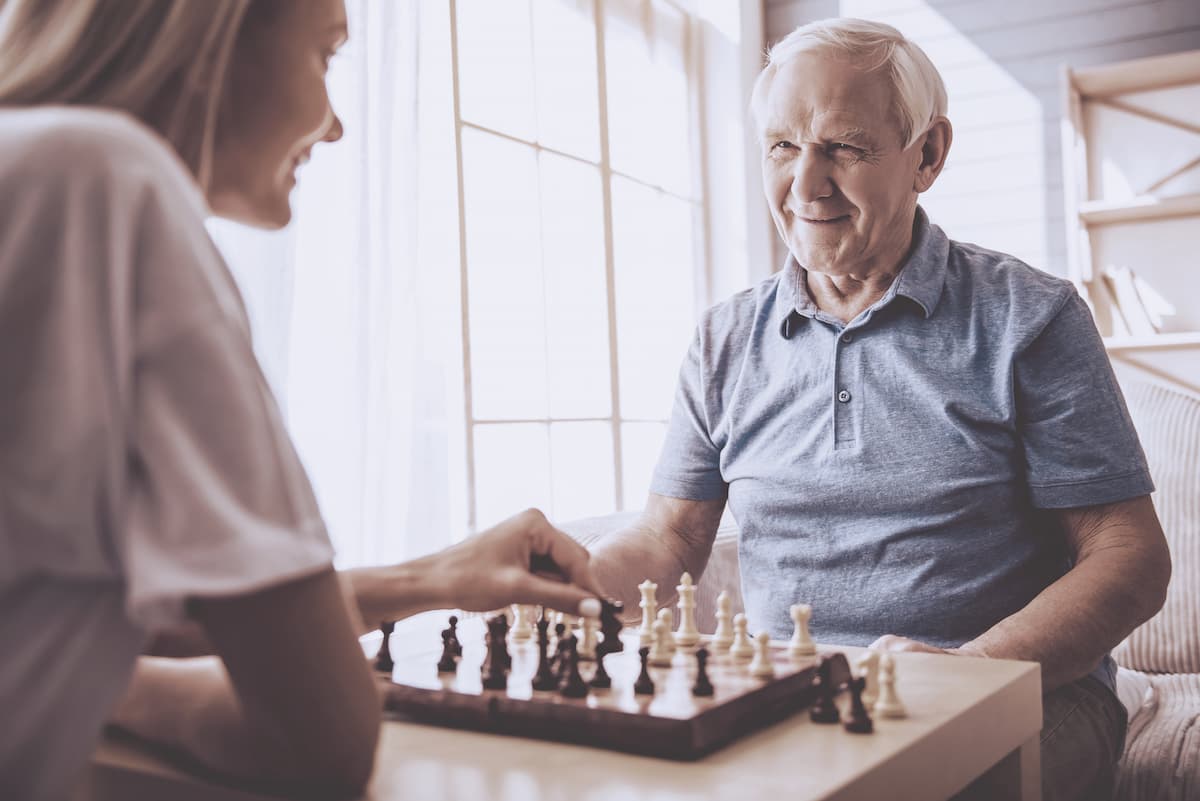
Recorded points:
(935, 146)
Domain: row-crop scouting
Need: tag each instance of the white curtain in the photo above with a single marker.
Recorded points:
(355, 305)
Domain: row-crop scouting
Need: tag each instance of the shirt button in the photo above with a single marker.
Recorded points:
(844, 396)
(847, 338)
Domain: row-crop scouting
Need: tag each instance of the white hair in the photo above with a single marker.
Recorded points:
(920, 94)
(163, 61)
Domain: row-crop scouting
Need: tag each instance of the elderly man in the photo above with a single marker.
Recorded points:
(920, 437)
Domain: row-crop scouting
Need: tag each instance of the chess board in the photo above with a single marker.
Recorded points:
(671, 724)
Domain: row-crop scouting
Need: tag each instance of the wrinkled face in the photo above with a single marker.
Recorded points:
(841, 189)
(277, 108)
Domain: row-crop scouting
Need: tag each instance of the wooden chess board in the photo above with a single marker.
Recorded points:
(672, 723)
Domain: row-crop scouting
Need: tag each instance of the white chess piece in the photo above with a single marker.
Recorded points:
(867, 666)
(761, 666)
(588, 629)
(649, 607)
(687, 635)
(801, 644)
(741, 648)
(664, 615)
(889, 704)
(660, 652)
(723, 637)
(522, 629)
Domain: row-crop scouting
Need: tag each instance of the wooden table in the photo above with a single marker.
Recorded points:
(967, 718)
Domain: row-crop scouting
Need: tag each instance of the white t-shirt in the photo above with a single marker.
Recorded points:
(143, 460)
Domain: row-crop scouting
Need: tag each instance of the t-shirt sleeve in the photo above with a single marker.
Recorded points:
(220, 504)
(1079, 443)
(689, 466)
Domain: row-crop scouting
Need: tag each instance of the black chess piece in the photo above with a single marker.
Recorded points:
(545, 678)
(644, 684)
(703, 687)
(560, 630)
(383, 659)
(610, 628)
(600, 679)
(860, 721)
(494, 670)
(572, 684)
(449, 662)
(825, 710)
(454, 635)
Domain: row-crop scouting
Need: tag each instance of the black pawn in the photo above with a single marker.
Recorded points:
(383, 659)
(703, 687)
(860, 721)
(825, 710)
(572, 684)
(454, 635)
(494, 670)
(448, 663)
(644, 684)
(544, 679)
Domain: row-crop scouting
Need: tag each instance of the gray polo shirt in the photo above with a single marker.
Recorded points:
(895, 472)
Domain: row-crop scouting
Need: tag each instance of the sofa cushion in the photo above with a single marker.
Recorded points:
(1169, 425)
(1162, 745)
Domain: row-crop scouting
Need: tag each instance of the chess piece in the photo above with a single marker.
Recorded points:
(723, 637)
(687, 635)
(522, 629)
(888, 704)
(494, 670)
(610, 628)
(454, 636)
(660, 651)
(383, 659)
(587, 638)
(761, 666)
(600, 679)
(664, 615)
(649, 606)
(824, 710)
(703, 687)
(867, 666)
(644, 684)
(572, 685)
(860, 721)
(449, 662)
(741, 648)
(801, 644)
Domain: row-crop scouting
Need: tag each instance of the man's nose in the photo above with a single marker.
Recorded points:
(811, 179)
(335, 129)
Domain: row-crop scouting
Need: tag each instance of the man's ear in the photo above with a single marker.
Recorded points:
(935, 146)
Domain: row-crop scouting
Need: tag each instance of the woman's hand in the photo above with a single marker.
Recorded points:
(523, 560)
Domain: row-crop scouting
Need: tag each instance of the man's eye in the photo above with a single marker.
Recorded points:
(842, 147)
(783, 145)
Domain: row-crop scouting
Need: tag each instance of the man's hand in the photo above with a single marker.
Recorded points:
(891, 642)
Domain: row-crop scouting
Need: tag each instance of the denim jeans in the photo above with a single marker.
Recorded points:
(1083, 736)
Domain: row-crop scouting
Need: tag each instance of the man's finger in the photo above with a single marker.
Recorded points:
(554, 594)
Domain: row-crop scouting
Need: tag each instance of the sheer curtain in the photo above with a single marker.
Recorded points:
(355, 306)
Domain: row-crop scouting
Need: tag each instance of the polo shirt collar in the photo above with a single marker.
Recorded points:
(921, 279)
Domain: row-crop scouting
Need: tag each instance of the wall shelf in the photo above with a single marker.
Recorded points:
(1104, 212)
(1190, 339)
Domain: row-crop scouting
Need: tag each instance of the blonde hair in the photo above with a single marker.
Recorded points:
(917, 85)
(163, 61)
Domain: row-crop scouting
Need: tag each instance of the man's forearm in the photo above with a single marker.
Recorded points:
(1071, 624)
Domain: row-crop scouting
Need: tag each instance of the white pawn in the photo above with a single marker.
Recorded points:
(867, 666)
(664, 615)
(761, 665)
(801, 643)
(649, 607)
(687, 635)
(741, 648)
(723, 637)
(522, 629)
(889, 704)
(660, 652)
(588, 628)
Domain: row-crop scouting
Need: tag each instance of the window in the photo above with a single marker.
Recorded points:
(580, 210)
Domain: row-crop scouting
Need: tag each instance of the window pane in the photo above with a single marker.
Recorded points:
(504, 278)
(650, 131)
(512, 470)
(564, 36)
(495, 65)
(641, 444)
(652, 255)
(583, 480)
(576, 292)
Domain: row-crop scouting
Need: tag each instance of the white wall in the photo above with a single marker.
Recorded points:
(1001, 60)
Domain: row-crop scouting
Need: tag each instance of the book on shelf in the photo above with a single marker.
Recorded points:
(1128, 302)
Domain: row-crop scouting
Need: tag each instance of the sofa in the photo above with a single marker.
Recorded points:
(1159, 663)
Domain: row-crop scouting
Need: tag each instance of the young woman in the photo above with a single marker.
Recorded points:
(147, 483)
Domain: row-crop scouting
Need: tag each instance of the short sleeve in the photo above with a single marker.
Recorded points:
(1079, 443)
(219, 502)
(689, 466)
